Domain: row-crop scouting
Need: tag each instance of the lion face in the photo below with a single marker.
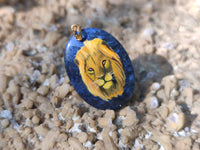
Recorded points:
(101, 69)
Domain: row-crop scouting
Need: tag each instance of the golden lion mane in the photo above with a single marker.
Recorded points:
(105, 77)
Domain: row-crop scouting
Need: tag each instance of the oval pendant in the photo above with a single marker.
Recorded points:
(99, 68)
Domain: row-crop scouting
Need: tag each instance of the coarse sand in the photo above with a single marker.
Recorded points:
(39, 109)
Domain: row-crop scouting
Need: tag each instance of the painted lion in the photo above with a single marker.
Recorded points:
(101, 69)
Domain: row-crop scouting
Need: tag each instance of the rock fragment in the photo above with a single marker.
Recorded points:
(130, 117)
(4, 83)
(75, 144)
(108, 141)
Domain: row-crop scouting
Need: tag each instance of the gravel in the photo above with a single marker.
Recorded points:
(39, 109)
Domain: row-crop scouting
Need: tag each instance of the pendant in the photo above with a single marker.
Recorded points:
(99, 68)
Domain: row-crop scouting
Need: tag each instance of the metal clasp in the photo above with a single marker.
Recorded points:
(77, 31)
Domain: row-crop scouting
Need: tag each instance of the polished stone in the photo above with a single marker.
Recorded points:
(73, 46)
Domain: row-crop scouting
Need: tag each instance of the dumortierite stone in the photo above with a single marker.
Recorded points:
(99, 69)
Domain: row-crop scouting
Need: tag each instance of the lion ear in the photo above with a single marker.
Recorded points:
(104, 43)
(76, 62)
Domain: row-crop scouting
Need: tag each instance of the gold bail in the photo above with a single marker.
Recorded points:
(77, 28)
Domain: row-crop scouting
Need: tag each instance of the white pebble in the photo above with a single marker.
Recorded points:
(87, 144)
(46, 82)
(154, 102)
(61, 117)
(174, 118)
(148, 32)
(110, 133)
(10, 46)
(75, 128)
(156, 86)
(6, 114)
(168, 46)
(148, 135)
(182, 133)
(61, 80)
(16, 126)
(36, 74)
(75, 117)
(91, 129)
(137, 145)
(187, 129)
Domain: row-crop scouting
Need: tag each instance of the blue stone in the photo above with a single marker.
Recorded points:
(99, 69)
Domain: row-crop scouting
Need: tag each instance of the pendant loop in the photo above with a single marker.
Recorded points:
(77, 31)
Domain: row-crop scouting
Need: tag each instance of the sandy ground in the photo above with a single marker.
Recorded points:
(39, 109)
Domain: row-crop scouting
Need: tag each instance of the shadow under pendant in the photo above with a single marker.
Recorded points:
(99, 68)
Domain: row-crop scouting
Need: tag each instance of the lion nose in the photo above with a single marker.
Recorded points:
(108, 77)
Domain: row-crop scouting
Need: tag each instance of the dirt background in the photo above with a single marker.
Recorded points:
(39, 109)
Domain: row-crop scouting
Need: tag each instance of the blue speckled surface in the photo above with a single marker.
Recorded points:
(73, 46)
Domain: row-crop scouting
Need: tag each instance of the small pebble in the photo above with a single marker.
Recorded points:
(35, 76)
(4, 83)
(69, 124)
(110, 114)
(7, 99)
(124, 140)
(35, 120)
(26, 132)
(163, 112)
(151, 102)
(53, 81)
(163, 139)
(170, 83)
(52, 38)
(161, 95)
(5, 123)
(75, 144)
(128, 134)
(82, 136)
(10, 46)
(187, 96)
(46, 107)
(174, 94)
(63, 90)
(108, 141)
(148, 33)
(176, 121)
(42, 79)
(43, 90)
(32, 96)
(41, 130)
(14, 90)
(51, 137)
(195, 146)
(148, 8)
(57, 122)
(130, 117)
(99, 145)
(104, 122)
(28, 104)
(183, 143)
(6, 114)
(168, 46)
(91, 137)
(155, 86)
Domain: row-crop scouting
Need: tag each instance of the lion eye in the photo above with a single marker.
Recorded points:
(103, 62)
(90, 70)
